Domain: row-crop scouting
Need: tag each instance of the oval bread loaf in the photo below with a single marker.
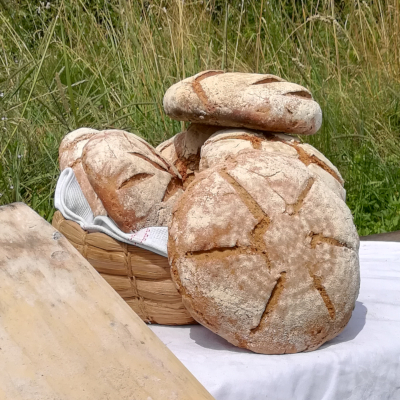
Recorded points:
(136, 185)
(229, 142)
(265, 254)
(183, 150)
(254, 101)
(70, 155)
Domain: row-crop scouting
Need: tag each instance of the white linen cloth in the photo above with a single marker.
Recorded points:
(362, 363)
(72, 204)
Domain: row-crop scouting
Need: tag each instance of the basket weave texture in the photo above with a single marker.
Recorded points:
(141, 277)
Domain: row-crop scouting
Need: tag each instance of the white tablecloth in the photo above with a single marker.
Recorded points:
(362, 363)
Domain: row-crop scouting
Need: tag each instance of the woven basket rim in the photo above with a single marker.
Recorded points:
(140, 276)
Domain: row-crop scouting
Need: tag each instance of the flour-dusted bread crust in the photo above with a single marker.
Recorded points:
(229, 142)
(254, 101)
(183, 150)
(167, 150)
(137, 186)
(265, 254)
(70, 155)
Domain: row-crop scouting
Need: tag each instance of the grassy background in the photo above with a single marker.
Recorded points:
(97, 63)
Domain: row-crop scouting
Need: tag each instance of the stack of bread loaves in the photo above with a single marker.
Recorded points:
(262, 246)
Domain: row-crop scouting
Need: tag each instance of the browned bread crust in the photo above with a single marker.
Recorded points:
(183, 149)
(137, 186)
(254, 101)
(70, 155)
(228, 142)
(265, 254)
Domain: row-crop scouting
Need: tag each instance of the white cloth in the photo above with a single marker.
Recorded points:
(72, 204)
(362, 363)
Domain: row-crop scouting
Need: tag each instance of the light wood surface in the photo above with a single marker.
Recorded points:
(65, 334)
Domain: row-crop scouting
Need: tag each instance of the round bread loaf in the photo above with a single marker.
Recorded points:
(70, 155)
(183, 149)
(253, 101)
(137, 186)
(265, 255)
(229, 142)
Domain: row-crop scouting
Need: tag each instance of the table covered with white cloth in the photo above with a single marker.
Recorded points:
(362, 363)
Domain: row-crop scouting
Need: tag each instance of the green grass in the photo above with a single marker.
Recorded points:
(107, 64)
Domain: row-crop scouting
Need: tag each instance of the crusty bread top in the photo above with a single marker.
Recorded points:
(265, 254)
(229, 142)
(254, 101)
(129, 176)
(71, 147)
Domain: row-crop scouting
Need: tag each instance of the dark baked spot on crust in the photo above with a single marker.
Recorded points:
(135, 179)
(187, 166)
(301, 93)
(198, 89)
(173, 186)
(154, 164)
(254, 140)
(317, 282)
(272, 301)
(318, 238)
(163, 162)
(74, 163)
(293, 209)
(306, 159)
(217, 253)
(270, 79)
(257, 245)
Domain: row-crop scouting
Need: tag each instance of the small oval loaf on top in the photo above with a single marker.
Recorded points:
(183, 149)
(254, 101)
(229, 142)
(265, 254)
(70, 155)
(137, 186)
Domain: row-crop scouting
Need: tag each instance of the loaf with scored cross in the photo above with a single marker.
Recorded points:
(235, 99)
(136, 185)
(265, 253)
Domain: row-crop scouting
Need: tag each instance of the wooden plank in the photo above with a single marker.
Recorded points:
(65, 333)
(123, 285)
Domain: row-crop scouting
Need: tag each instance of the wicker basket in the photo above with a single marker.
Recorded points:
(141, 278)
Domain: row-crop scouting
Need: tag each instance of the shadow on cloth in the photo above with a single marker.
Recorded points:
(352, 329)
(207, 339)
